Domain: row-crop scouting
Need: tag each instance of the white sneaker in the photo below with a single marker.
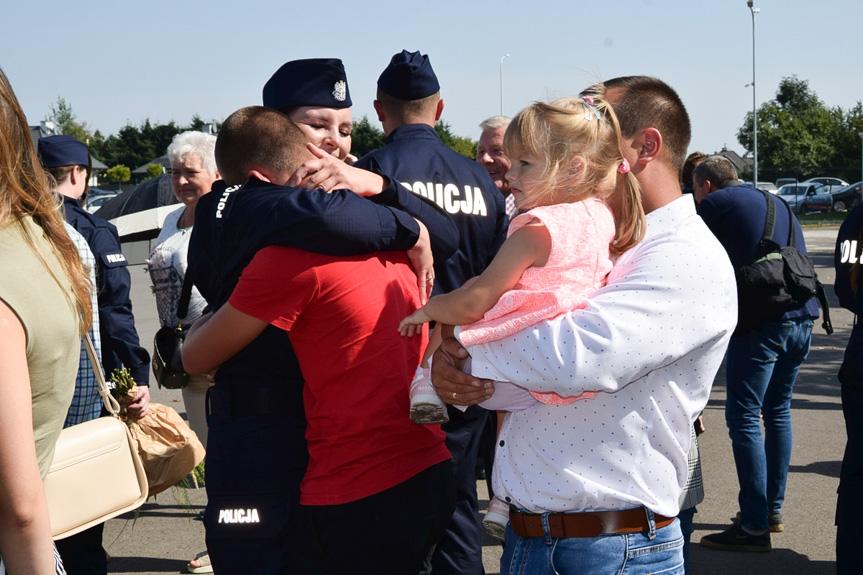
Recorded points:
(496, 518)
(426, 406)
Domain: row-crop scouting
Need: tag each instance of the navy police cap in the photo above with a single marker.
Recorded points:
(312, 82)
(409, 77)
(57, 151)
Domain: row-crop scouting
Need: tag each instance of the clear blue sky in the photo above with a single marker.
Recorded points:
(122, 62)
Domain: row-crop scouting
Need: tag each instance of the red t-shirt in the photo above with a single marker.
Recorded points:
(342, 315)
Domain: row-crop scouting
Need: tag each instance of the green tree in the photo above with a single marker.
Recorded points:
(365, 138)
(799, 136)
(154, 170)
(118, 174)
(464, 146)
(67, 124)
(136, 146)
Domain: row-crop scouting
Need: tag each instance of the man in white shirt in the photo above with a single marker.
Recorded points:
(595, 485)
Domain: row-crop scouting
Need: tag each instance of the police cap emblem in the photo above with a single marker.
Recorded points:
(340, 90)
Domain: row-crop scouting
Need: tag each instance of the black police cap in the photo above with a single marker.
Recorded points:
(409, 77)
(312, 82)
(58, 151)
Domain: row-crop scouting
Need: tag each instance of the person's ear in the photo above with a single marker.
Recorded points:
(379, 109)
(650, 141)
(439, 110)
(262, 175)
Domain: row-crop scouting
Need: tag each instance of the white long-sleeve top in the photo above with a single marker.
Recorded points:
(651, 342)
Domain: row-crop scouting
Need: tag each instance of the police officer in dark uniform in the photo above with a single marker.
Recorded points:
(68, 161)
(408, 104)
(849, 506)
(256, 449)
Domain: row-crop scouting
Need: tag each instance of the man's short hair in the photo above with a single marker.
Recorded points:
(409, 111)
(718, 169)
(650, 103)
(494, 123)
(256, 137)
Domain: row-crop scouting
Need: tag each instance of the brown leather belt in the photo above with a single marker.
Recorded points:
(587, 524)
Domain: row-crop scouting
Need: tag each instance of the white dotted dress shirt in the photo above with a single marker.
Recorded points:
(650, 342)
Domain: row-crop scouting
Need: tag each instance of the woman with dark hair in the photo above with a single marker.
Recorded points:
(44, 310)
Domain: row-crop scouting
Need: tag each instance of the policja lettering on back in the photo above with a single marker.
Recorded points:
(446, 196)
(239, 516)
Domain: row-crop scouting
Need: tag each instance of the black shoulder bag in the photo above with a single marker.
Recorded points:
(779, 280)
(168, 346)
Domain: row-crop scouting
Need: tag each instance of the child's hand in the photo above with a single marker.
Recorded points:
(413, 324)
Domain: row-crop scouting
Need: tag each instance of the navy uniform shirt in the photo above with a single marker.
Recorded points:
(849, 250)
(232, 224)
(120, 344)
(415, 155)
(737, 215)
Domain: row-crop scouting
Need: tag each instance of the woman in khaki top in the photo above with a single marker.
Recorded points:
(44, 309)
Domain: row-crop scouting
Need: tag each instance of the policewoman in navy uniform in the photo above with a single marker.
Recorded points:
(849, 505)
(257, 452)
(68, 162)
(408, 104)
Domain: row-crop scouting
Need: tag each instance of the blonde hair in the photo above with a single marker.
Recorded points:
(24, 191)
(581, 145)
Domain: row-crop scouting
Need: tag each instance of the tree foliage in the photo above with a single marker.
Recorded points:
(365, 138)
(464, 146)
(799, 136)
(65, 122)
(119, 173)
(155, 170)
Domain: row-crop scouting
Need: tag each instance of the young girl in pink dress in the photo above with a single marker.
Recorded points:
(580, 206)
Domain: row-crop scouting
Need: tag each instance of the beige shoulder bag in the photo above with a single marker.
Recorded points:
(96, 473)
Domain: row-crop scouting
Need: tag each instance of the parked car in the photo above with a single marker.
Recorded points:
(797, 194)
(818, 203)
(765, 186)
(833, 184)
(97, 197)
(785, 181)
(848, 197)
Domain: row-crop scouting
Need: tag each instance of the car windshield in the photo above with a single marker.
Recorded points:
(792, 190)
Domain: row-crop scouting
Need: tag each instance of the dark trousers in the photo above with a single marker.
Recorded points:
(254, 468)
(83, 553)
(460, 550)
(389, 533)
(849, 507)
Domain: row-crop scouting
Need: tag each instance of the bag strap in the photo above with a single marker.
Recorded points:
(770, 223)
(185, 296)
(111, 404)
(825, 306)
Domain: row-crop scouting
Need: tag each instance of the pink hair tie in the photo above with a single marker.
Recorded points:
(623, 167)
(588, 99)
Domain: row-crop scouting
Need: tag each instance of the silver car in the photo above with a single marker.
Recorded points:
(797, 194)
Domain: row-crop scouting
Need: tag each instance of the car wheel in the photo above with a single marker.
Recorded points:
(839, 206)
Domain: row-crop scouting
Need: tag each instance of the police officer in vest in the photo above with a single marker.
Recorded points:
(408, 104)
(257, 453)
(68, 163)
(849, 504)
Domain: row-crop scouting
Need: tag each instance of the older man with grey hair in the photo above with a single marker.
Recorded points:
(714, 173)
(489, 154)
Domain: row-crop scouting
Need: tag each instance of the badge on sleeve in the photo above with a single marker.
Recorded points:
(114, 260)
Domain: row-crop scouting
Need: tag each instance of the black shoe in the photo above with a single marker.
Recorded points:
(736, 539)
(774, 522)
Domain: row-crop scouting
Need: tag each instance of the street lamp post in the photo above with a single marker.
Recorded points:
(754, 108)
(501, 82)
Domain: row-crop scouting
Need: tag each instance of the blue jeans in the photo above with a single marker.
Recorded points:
(627, 554)
(761, 370)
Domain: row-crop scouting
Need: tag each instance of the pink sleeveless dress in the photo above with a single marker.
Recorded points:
(577, 266)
